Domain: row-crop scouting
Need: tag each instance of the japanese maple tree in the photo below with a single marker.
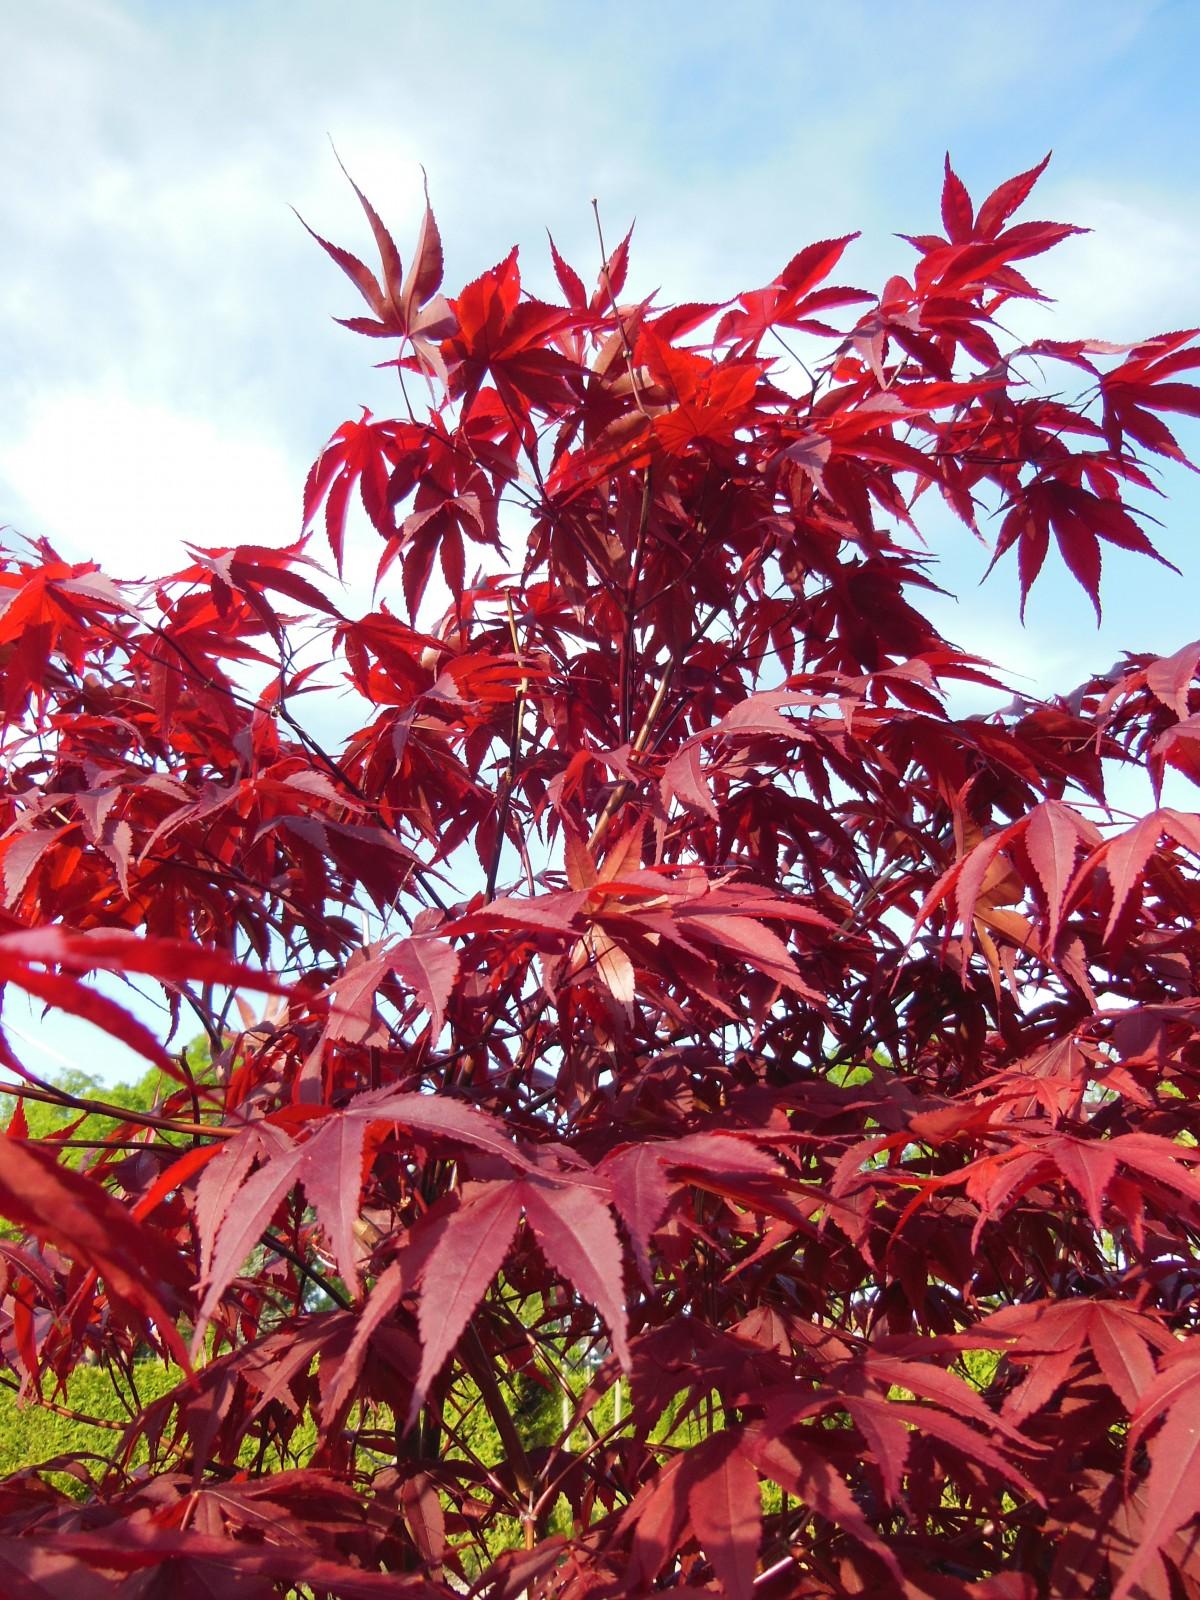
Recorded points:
(687, 1109)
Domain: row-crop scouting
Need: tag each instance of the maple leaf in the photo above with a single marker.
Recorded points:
(430, 967)
(1126, 855)
(711, 398)
(800, 1468)
(574, 1227)
(725, 1509)
(792, 300)
(470, 1249)
(1142, 385)
(1173, 1481)
(363, 453)
(1122, 1341)
(958, 216)
(329, 1165)
(1079, 520)
(503, 338)
(46, 612)
(1170, 678)
(642, 1177)
(404, 307)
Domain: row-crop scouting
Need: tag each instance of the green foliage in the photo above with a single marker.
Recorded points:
(32, 1434)
(45, 1120)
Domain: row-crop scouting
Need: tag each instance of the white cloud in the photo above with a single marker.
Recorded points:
(1135, 274)
(128, 481)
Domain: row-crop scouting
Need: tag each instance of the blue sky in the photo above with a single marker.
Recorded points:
(170, 367)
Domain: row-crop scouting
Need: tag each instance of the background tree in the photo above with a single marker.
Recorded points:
(674, 1006)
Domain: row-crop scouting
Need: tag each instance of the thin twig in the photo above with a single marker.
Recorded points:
(514, 744)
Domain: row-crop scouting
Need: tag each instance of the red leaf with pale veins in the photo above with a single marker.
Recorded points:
(1161, 1159)
(641, 1195)
(574, 1227)
(1125, 858)
(800, 1469)
(472, 1244)
(1170, 678)
(440, 1117)
(425, 270)
(966, 877)
(641, 1190)
(363, 279)
(429, 966)
(389, 256)
(744, 939)
(612, 276)
(973, 1445)
(554, 913)
(932, 1383)
(1172, 1487)
(242, 1228)
(578, 860)
(22, 852)
(332, 1176)
(352, 1009)
(657, 1516)
(424, 1516)
(1052, 839)
(569, 280)
(683, 778)
(887, 1440)
(816, 261)
(1120, 1337)
(222, 1179)
(613, 968)
(719, 1154)
(1120, 1342)
(726, 1514)
(784, 302)
(1007, 198)
(1088, 1166)
(392, 1283)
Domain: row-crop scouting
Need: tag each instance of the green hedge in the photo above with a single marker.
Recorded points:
(31, 1433)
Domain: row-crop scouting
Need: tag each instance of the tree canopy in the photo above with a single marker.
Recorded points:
(663, 1027)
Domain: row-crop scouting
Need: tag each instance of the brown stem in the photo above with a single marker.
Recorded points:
(302, 1267)
(102, 1108)
(617, 797)
(479, 1366)
(514, 745)
(631, 611)
(66, 1411)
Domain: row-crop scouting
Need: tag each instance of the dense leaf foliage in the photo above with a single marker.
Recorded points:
(659, 998)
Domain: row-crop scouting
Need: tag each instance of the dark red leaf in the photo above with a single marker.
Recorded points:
(469, 1252)
(727, 1516)
(957, 215)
